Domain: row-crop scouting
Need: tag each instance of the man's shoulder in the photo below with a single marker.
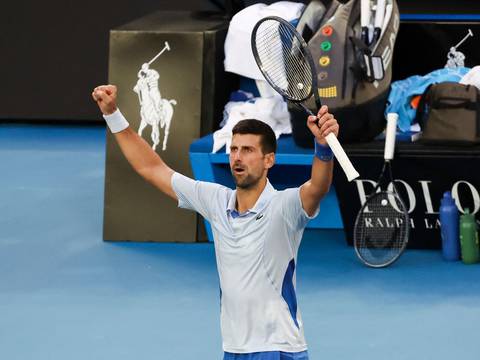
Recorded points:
(287, 192)
(180, 178)
(284, 198)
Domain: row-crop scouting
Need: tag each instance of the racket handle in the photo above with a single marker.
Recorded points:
(342, 157)
(390, 134)
(379, 17)
(365, 14)
(338, 151)
(380, 13)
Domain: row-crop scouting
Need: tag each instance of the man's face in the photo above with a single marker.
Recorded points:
(248, 164)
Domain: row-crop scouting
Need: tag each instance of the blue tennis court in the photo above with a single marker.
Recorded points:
(66, 294)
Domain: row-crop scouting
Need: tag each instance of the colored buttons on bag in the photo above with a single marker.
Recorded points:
(327, 30)
(324, 61)
(326, 45)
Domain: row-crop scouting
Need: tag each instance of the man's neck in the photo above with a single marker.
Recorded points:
(247, 198)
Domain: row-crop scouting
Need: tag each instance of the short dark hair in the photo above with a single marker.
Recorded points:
(257, 127)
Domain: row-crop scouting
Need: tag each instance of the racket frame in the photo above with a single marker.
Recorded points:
(372, 195)
(332, 140)
(308, 57)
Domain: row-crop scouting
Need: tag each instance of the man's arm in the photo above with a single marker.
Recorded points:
(139, 154)
(322, 169)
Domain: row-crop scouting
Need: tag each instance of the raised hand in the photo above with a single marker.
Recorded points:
(106, 98)
(322, 125)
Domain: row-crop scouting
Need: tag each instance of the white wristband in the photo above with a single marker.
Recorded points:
(116, 121)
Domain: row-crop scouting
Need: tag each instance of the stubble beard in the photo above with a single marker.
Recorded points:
(247, 182)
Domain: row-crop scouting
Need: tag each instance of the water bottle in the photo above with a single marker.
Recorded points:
(469, 238)
(449, 228)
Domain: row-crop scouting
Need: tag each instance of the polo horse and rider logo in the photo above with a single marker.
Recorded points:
(456, 58)
(154, 110)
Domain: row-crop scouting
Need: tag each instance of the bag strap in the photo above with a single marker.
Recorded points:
(464, 104)
(362, 55)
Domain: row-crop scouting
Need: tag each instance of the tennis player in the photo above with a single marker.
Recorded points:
(257, 229)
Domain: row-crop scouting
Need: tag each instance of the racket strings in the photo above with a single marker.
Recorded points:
(283, 59)
(382, 228)
(278, 70)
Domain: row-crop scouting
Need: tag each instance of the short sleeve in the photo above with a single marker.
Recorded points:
(292, 209)
(199, 196)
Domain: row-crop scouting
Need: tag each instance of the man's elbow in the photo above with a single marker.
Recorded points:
(320, 191)
(316, 191)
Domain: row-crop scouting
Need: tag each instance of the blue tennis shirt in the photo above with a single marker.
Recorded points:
(256, 254)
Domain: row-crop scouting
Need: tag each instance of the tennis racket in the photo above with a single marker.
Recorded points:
(365, 16)
(286, 63)
(382, 226)
(379, 18)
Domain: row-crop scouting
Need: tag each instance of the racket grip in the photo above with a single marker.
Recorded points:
(390, 134)
(342, 157)
(380, 13)
(365, 13)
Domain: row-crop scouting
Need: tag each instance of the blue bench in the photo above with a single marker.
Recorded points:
(292, 168)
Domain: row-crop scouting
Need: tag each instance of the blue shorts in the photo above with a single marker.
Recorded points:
(267, 355)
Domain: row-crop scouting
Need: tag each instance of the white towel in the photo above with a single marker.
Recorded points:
(238, 51)
(472, 77)
(273, 111)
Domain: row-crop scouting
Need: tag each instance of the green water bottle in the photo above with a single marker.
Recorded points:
(469, 238)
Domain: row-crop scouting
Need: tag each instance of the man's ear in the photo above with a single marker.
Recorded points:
(269, 160)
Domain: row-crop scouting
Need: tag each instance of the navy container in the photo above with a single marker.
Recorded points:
(449, 219)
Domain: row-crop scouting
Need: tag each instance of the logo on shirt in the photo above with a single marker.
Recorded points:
(259, 216)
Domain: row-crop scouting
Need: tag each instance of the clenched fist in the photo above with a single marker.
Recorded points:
(106, 98)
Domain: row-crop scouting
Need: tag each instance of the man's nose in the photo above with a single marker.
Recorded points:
(236, 155)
